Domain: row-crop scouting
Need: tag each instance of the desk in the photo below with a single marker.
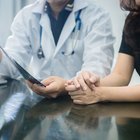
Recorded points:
(26, 116)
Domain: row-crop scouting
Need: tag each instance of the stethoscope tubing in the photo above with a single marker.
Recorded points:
(76, 30)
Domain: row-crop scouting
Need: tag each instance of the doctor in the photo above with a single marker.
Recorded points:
(57, 39)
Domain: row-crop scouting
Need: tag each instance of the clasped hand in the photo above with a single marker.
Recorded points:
(83, 88)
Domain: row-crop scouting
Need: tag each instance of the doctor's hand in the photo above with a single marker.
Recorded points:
(87, 96)
(54, 87)
(82, 81)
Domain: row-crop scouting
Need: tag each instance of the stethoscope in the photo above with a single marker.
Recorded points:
(76, 33)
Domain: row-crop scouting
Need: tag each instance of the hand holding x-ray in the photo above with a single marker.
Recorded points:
(22, 71)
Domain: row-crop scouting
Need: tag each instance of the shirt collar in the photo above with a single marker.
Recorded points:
(69, 6)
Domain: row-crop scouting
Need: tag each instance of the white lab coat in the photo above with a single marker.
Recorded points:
(93, 52)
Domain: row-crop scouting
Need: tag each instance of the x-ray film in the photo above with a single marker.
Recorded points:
(22, 71)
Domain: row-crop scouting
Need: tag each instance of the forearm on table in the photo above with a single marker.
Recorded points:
(114, 80)
(119, 94)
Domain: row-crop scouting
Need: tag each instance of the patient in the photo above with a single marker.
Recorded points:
(88, 88)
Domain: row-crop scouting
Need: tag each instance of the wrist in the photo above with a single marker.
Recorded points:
(101, 93)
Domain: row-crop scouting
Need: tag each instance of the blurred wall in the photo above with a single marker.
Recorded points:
(117, 16)
(8, 9)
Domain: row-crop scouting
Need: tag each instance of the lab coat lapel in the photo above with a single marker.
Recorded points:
(47, 41)
(67, 29)
(70, 24)
(45, 24)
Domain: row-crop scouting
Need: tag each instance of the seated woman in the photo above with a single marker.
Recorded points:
(88, 88)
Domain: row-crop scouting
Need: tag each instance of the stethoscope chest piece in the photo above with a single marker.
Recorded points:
(40, 53)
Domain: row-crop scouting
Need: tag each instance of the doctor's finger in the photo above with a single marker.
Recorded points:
(94, 78)
(76, 82)
(48, 81)
(70, 88)
(51, 88)
(41, 91)
(43, 94)
(82, 82)
(69, 82)
(38, 89)
(86, 76)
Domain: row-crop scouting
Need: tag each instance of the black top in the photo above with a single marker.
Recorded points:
(125, 48)
(57, 24)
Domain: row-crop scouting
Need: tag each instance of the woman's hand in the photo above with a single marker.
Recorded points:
(87, 96)
(83, 81)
